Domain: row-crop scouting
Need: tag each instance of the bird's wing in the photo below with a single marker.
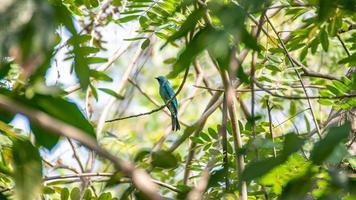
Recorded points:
(170, 93)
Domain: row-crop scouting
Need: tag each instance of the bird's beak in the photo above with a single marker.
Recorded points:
(156, 78)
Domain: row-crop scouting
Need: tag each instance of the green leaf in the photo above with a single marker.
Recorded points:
(135, 38)
(323, 36)
(292, 143)
(339, 154)
(94, 3)
(273, 68)
(143, 22)
(75, 194)
(94, 60)
(259, 168)
(145, 44)
(4, 68)
(82, 70)
(334, 25)
(326, 102)
(66, 111)
(98, 75)
(126, 19)
(326, 9)
(340, 86)
(87, 195)
(111, 92)
(256, 169)
(164, 159)
(64, 194)
(241, 74)
(44, 137)
(189, 24)
(105, 196)
(79, 39)
(27, 170)
(298, 187)
(326, 146)
(199, 42)
(351, 60)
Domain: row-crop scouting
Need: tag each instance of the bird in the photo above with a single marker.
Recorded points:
(166, 92)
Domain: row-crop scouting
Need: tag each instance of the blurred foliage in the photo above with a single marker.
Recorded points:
(284, 156)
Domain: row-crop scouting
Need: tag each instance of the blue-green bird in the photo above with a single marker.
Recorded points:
(167, 92)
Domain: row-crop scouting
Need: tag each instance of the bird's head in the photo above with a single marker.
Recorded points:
(161, 79)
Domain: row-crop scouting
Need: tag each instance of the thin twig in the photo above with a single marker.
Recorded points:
(299, 77)
(300, 97)
(151, 99)
(102, 174)
(269, 109)
(125, 76)
(154, 110)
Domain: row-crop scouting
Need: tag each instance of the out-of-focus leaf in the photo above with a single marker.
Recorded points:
(145, 44)
(4, 68)
(3, 197)
(200, 41)
(259, 168)
(334, 25)
(326, 146)
(64, 194)
(114, 179)
(65, 111)
(164, 159)
(339, 153)
(27, 170)
(126, 19)
(295, 166)
(98, 75)
(105, 196)
(323, 36)
(94, 60)
(241, 74)
(189, 24)
(44, 137)
(351, 59)
(292, 143)
(216, 177)
(87, 195)
(340, 86)
(78, 39)
(326, 9)
(111, 92)
(298, 188)
(253, 170)
(75, 194)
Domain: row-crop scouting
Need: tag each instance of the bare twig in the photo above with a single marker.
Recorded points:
(231, 103)
(154, 110)
(299, 77)
(101, 174)
(269, 109)
(300, 97)
(125, 76)
(152, 100)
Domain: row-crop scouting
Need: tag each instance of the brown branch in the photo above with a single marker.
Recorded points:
(139, 177)
(300, 97)
(102, 174)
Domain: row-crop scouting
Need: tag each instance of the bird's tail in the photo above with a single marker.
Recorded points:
(175, 123)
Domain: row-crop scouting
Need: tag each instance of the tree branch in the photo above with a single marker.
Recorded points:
(154, 110)
(139, 177)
